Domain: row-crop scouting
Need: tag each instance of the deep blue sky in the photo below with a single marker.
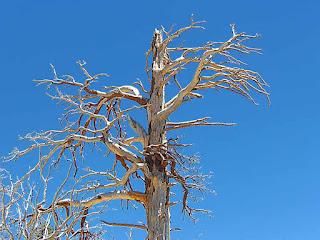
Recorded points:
(266, 169)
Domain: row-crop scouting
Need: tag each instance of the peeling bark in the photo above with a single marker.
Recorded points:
(157, 191)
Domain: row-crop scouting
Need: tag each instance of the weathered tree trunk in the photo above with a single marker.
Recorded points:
(158, 216)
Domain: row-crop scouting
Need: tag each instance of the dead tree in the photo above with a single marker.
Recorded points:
(97, 118)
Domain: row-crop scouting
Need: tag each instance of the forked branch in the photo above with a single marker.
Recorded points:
(221, 75)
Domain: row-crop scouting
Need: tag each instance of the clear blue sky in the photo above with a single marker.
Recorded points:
(266, 169)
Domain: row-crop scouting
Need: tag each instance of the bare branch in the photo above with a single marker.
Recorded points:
(96, 118)
(235, 78)
(102, 197)
(121, 151)
(139, 130)
(118, 182)
(197, 122)
(193, 25)
(128, 92)
(125, 225)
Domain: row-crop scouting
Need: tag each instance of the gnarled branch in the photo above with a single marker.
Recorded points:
(102, 197)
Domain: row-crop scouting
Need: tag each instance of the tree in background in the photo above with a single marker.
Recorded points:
(147, 165)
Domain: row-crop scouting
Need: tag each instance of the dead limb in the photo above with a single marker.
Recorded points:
(197, 122)
(116, 195)
(125, 225)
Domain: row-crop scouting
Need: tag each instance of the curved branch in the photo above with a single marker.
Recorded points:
(139, 130)
(205, 62)
(118, 182)
(121, 151)
(177, 34)
(128, 92)
(124, 195)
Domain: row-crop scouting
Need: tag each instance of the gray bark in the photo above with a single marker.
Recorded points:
(158, 216)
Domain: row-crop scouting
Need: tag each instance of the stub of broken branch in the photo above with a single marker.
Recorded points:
(139, 130)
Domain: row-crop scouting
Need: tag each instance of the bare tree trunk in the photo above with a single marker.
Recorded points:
(98, 119)
(157, 191)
